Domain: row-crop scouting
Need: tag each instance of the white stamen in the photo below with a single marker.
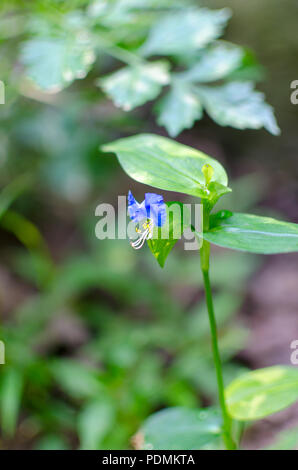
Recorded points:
(146, 235)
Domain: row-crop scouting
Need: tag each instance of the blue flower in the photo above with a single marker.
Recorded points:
(153, 209)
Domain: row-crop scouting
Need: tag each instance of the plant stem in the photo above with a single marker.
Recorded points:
(205, 255)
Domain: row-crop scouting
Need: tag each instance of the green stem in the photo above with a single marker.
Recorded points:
(205, 255)
(119, 53)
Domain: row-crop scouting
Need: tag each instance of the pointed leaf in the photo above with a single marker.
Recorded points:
(166, 164)
(236, 104)
(262, 392)
(182, 429)
(252, 233)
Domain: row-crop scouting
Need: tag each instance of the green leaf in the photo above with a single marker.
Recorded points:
(178, 219)
(135, 85)
(252, 233)
(236, 104)
(215, 63)
(12, 191)
(78, 380)
(54, 62)
(287, 439)
(185, 30)
(51, 442)
(182, 429)
(166, 164)
(11, 395)
(179, 108)
(262, 392)
(94, 421)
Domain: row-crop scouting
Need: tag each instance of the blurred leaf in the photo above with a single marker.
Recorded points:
(12, 191)
(54, 62)
(179, 108)
(94, 421)
(166, 164)
(51, 442)
(24, 230)
(236, 104)
(78, 380)
(252, 233)
(179, 392)
(165, 237)
(185, 30)
(10, 399)
(262, 392)
(285, 440)
(133, 86)
(249, 68)
(182, 429)
(215, 63)
(248, 191)
(226, 304)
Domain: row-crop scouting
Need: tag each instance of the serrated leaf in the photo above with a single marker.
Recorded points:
(238, 105)
(54, 62)
(133, 86)
(166, 164)
(179, 109)
(252, 233)
(177, 220)
(182, 429)
(185, 30)
(215, 63)
(262, 392)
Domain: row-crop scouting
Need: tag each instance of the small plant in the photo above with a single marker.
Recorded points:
(168, 165)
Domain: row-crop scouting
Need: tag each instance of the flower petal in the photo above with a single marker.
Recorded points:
(137, 212)
(156, 208)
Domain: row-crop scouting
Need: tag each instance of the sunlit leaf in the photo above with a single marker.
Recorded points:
(166, 164)
(262, 392)
(236, 104)
(252, 233)
(179, 108)
(133, 86)
(182, 429)
(185, 30)
(215, 62)
(54, 62)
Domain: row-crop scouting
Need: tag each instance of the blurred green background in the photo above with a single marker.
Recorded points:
(97, 336)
